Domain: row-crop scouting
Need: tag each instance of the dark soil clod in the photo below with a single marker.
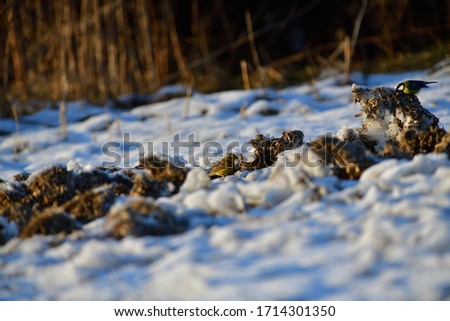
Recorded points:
(141, 217)
(49, 222)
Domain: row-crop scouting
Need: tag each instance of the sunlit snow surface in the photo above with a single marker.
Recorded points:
(254, 236)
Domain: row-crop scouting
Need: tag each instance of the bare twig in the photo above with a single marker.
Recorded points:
(243, 110)
(175, 41)
(6, 66)
(17, 143)
(244, 72)
(274, 74)
(188, 99)
(98, 47)
(357, 25)
(144, 23)
(255, 57)
(354, 39)
(198, 28)
(347, 58)
(16, 54)
(62, 22)
(63, 111)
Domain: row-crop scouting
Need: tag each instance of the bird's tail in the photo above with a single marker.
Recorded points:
(428, 82)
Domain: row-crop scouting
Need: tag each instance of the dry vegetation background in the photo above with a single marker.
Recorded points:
(97, 50)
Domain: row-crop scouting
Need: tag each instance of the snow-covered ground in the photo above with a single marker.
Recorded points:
(280, 233)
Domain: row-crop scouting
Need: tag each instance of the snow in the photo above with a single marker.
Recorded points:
(8, 230)
(196, 179)
(289, 232)
(226, 200)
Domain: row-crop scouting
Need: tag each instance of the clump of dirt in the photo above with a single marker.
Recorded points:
(392, 151)
(17, 213)
(11, 196)
(163, 171)
(21, 177)
(11, 192)
(144, 185)
(91, 204)
(53, 220)
(141, 217)
(122, 188)
(266, 149)
(414, 142)
(51, 187)
(347, 159)
(443, 146)
(56, 185)
(87, 180)
(57, 200)
(394, 125)
(392, 117)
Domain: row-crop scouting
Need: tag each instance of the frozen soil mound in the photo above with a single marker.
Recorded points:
(58, 200)
(396, 123)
